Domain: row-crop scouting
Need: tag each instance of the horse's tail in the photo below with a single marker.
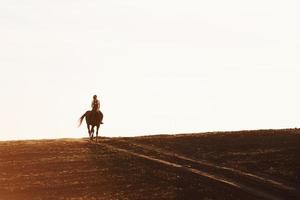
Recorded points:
(81, 119)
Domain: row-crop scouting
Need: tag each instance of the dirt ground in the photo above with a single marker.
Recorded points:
(273, 153)
(78, 169)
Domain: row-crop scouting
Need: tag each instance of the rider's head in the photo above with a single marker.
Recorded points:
(95, 96)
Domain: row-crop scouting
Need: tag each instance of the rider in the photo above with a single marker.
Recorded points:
(95, 104)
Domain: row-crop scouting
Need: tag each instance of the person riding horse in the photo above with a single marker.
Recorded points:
(93, 118)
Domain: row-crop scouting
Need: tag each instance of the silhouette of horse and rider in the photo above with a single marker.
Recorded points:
(93, 118)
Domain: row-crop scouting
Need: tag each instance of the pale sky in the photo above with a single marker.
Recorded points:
(158, 66)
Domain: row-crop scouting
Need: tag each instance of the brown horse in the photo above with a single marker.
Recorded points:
(92, 118)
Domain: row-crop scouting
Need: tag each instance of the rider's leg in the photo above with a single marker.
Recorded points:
(99, 114)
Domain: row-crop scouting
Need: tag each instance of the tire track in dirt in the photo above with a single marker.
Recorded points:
(180, 163)
(262, 180)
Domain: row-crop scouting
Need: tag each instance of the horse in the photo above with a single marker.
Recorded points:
(92, 118)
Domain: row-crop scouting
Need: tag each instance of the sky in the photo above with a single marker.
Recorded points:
(158, 67)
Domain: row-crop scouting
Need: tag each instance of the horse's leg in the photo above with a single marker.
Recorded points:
(92, 132)
(97, 133)
(88, 126)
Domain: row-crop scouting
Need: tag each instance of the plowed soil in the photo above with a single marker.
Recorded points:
(117, 168)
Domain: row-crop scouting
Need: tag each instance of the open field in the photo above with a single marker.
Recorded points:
(262, 164)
